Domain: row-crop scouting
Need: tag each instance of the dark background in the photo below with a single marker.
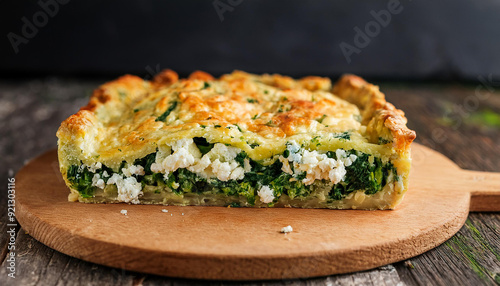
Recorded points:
(437, 40)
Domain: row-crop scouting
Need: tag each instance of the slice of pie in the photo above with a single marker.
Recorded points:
(240, 140)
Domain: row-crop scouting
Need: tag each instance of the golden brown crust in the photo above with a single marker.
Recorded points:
(201, 75)
(376, 111)
(165, 78)
(121, 120)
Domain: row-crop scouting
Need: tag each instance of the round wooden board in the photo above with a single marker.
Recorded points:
(246, 243)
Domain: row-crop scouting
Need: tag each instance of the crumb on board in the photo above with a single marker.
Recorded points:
(409, 264)
(287, 229)
(123, 212)
(164, 210)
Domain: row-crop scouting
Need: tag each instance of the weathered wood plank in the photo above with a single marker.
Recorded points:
(40, 265)
(386, 275)
(470, 257)
(30, 112)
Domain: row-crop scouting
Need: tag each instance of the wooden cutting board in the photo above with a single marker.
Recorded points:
(246, 243)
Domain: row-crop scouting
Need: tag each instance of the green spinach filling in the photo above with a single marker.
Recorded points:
(81, 179)
(367, 173)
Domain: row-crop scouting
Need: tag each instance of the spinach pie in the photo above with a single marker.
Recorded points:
(240, 140)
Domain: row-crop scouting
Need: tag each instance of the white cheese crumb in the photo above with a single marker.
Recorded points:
(286, 165)
(123, 212)
(293, 147)
(219, 162)
(182, 213)
(238, 173)
(128, 189)
(226, 153)
(201, 165)
(164, 210)
(97, 181)
(184, 154)
(171, 214)
(156, 167)
(226, 171)
(266, 194)
(105, 174)
(221, 169)
(179, 159)
(133, 170)
(287, 229)
(94, 167)
(316, 165)
(246, 165)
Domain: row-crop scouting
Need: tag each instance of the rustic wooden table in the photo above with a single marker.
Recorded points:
(460, 121)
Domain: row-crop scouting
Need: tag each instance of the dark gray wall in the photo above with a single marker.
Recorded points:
(423, 39)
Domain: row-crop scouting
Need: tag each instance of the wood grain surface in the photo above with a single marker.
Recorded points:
(31, 110)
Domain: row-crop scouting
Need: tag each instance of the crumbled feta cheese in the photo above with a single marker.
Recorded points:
(238, 173)
(97, 181)
(226, 153)
(184, 155)
(226, 171)
(316, 165)
(293, 147)
(156, 167)
(133, 170)
(347, 160)
(219, 162)
(105, 174)
(114, 179)
(201, 165)
(246, 165)
(287, 229)
(128, 189)
(286, 165)
(179, 159)
(164, 211)
(123, 212)
(94, 167)
(266, 194)
(221, 169)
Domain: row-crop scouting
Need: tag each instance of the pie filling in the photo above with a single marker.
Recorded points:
(194, 171)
